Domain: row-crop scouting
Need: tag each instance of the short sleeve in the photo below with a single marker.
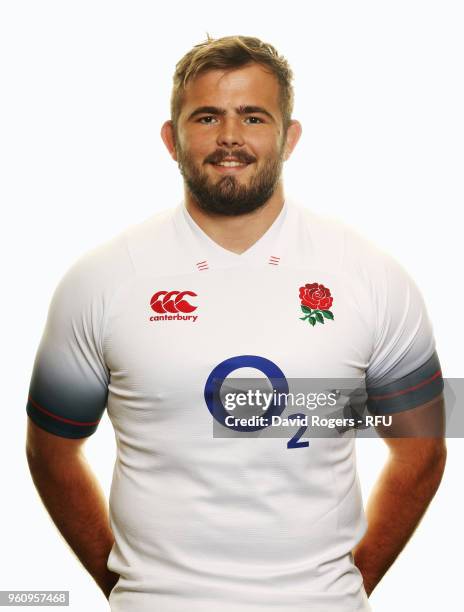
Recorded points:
(404, 370)
(69, 383)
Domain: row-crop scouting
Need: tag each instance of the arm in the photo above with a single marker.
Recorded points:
(73, 498)
(404, 489)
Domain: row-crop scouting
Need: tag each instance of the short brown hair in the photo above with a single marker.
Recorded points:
(232, 52)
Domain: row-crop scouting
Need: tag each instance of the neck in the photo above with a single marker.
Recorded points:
(237, 233)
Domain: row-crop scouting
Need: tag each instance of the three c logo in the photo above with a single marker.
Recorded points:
(167, 304)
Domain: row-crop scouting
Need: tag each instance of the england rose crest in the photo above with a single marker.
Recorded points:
(315, 303)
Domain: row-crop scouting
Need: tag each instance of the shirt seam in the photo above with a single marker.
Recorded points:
(107, 310)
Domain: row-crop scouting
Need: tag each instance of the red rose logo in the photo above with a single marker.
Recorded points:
(315, 303)
(316, 296)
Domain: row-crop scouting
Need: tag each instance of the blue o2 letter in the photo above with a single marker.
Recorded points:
(222, 370)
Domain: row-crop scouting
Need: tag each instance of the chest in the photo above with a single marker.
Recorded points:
(167, 333)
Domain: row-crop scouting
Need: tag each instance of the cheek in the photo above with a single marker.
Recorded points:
(198, 142)
(199, 150)
(265, 146)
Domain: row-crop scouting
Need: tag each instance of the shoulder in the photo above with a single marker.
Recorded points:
(335, 241)
(100, 270)
(96, 271)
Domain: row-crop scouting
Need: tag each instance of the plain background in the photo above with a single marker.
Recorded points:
(85, 89)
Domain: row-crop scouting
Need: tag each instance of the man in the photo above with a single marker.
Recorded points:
(233, 279)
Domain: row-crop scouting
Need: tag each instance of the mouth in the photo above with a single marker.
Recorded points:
(230, 167)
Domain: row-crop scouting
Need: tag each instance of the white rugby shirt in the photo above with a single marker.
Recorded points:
(138, 325)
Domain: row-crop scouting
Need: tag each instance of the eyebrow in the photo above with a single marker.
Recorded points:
(240, 110)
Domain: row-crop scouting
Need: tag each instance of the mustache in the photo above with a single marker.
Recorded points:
(219, 156)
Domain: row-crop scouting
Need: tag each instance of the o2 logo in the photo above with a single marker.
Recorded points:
(275, 376)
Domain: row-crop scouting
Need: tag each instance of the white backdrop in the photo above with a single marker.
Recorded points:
(85, 89)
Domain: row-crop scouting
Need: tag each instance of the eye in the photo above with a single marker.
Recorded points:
(208, 120)
(205, 119)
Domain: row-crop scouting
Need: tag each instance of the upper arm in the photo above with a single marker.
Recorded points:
(404, 371)
(42, 445)
(69, 383)
(422, 427)
(404, 378)
(416, 438)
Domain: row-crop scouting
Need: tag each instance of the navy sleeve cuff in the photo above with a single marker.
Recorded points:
(420, 386)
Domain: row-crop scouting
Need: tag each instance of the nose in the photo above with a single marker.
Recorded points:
(230, 132)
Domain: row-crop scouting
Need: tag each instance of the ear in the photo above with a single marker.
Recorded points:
(169, 138)
(293, 136)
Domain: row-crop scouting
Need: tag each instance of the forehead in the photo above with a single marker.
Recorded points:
(248, 85)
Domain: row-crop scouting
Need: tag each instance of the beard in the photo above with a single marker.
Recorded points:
(227, 196)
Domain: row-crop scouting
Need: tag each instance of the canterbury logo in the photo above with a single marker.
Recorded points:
(164, 301)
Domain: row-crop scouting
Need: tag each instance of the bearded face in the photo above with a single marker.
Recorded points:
(235, 182)
(229, 139)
